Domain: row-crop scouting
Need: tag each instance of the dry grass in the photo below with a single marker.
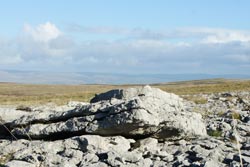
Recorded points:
(30, 94)
(27, 94)
(205, 86)
(196, 99)
(5, 158)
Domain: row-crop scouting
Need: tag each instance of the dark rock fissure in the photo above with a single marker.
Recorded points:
(52, 120)
(11, 126)
(69, 134)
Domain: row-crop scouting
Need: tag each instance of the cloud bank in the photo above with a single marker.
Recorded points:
(121, 50)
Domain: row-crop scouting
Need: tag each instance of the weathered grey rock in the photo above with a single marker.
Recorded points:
(235, 164)
(97, 164)
(17, 163)
(114, 159)
(75, 104)
(148, 144)
(159, 163)
(94, 150)
(69, 152)
(144, 162)
(134, 112)
(94, 143)
(211, 163)
(8, 114)
(90, 158)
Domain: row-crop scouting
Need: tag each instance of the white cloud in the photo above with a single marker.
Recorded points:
(10, 60)
(193, 34)
(41, 42)
(43, 32)
(225, 36)
(186, 50)
(242, 58)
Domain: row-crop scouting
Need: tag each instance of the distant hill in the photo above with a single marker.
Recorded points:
(37, 77)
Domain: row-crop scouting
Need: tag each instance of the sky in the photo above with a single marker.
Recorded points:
(129, 36)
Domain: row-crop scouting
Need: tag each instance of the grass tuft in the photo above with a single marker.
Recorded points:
(215, 133)
(5, 158)
(236, 115)
(196, 99)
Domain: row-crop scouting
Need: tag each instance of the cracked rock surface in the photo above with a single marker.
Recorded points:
(130, 127)
(134, 112)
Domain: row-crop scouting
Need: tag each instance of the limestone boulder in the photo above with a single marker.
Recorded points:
(134, 112)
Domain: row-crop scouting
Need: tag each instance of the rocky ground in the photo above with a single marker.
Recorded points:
(132, 127)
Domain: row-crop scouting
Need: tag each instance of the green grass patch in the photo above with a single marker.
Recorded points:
(196, 99)
(215, 133)
(236, 115)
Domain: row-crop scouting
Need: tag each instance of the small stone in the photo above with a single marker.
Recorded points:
(148, 144)
(90, 158)
(182, 142)
(181, 157)
(145, 162)
(196, 164)
(17, 163)
(186, 162)
(98, 164)
(211, 163)
(234, 164)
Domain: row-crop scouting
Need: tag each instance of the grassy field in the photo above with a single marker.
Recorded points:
(30, 94)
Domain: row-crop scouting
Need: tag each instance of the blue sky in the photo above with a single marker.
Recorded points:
(129, 36)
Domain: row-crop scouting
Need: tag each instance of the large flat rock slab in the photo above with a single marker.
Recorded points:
(134, 112)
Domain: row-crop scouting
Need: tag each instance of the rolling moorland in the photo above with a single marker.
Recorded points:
(37, 94)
